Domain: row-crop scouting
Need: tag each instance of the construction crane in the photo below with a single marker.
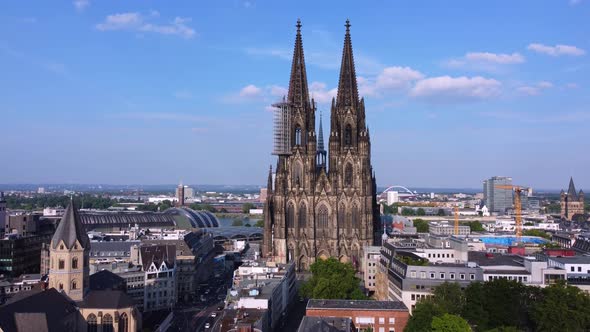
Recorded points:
(517, 206)
(457, 219)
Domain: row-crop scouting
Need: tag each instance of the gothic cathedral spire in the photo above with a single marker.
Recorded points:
(347, 86)
(298, 92)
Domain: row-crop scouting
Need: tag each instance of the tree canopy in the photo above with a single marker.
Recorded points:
(449, 323)
(332, 279)
(421, 225)
(246, 207)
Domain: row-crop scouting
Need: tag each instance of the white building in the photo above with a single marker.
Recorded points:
(392, 197)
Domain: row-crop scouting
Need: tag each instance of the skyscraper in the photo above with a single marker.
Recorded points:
(318, 206)
(498, 200)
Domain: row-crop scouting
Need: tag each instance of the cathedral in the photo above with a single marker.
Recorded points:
(322, 204)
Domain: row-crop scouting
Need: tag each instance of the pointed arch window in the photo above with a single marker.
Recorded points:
(297, 135)
(61, 286)
(75, 263)
(341, 215)
(297, 174)
(348, 135)
(107, 323)
(123, 323)
(355, 216)
(61, 264)
(348, 175)
(91, 321)
(322, 216)
(302, 216)
(290, 215)
(74, 285)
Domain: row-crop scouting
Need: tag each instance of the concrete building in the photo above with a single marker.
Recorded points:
(158, 263)
(392, 197)
(381, 316)
(496, 199)
(264, 285)
(444, 228)
(371, 257)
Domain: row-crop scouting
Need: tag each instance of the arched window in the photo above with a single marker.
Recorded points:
(74, 284)
(290, 215)
(61, 247)
(75, 263)
(322, 216)
(61, 286)
(297, 135)
(302, 216)
(348, 136)
(348, 175)
(91, 320)
(341, 215)
(355, 216)
(107, 323)
(61, 264)
(297, 174)
(123, 323)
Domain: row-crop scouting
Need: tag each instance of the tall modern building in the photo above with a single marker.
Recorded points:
(3, 213)
(572, 202)
(321, 204)
(496, 199)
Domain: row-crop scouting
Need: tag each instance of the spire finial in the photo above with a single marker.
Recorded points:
(347, 25)
(298, 25)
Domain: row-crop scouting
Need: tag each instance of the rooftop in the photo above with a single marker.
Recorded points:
(572, 260)
(356, 304)
(325, 324)
(490, 259)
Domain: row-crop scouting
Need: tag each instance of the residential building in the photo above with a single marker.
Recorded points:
(371, 257)
(381, 316)
(158, 262)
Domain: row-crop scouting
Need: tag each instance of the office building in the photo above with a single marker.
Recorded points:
(498, 200)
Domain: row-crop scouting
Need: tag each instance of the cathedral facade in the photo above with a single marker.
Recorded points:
(322, 204)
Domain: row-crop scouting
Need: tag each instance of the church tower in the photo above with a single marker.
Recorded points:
(322, 204)
(68, 255)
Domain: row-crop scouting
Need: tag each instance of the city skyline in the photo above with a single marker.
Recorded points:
(152, 93)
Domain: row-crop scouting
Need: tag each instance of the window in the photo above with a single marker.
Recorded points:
(462, 276)
(391, 320)
(413, 297)
(74, 285)
(61, 264)
(75, 263)
(381, 320)
(91, 321)
(123, 323)
(442, 275)
(302, 216)
(452, 276)
(472, 276)
(579, 269)
(322, 216)
(381, 329)
(342, 216)
(290, 215)
(107, 323)
(572, 269)
(413, 274)
(297, 135)
(423, 275)
(432, 276)
(61, 247)
(348, 175)
(348, 136)
(61, 286)
(355, 216)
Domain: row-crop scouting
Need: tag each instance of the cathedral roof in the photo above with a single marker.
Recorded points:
(107, 299)
(70, 229)
(298, 92)
(571, 192)
(348, 94)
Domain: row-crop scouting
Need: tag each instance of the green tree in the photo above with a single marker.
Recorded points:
(474, 309)
(331, 279)
(536, 232)
(196, 206)
(246, 207)
(422, 315)
(237, 222)
(449, 297)
(476, 226)
(504, 329)
(421, 225)
(164, 205)
(441, 212)
(562, 308)
(147, 207)
(449, 323)
(259, 223)
(420, 212)
(408, 212)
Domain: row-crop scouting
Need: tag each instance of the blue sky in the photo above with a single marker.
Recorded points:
(152, 92)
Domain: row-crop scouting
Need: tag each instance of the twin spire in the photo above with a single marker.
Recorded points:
(298, 92)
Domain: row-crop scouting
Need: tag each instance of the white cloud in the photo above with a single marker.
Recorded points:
(497, 58)
(81, 4)
(446, 88)
(278, 91)
(397, 77)
(320, 93)
(533, 90)
(556, 50)
(137, 22)
(250, 90)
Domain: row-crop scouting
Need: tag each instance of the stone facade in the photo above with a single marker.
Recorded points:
(572, 203)
(318, 206)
